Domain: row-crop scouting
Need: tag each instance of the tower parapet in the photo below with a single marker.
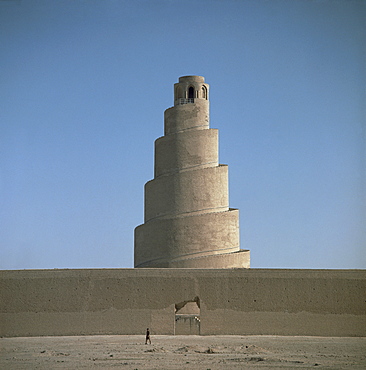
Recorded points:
(188, 222)
(189, 89)
(185, 116)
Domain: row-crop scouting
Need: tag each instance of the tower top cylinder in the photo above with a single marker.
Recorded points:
(190, 88)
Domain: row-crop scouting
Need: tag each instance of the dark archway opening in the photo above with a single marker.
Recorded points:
(187, 317)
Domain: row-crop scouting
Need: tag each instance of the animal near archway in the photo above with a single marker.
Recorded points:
(187, 317)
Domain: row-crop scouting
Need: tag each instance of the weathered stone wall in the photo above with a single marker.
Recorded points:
(232, 301)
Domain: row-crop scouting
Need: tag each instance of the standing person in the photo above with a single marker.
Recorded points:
(147, 336)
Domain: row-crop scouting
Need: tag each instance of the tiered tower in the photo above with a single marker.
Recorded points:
(188, 222)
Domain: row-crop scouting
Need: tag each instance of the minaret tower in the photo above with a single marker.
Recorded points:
(188, 222)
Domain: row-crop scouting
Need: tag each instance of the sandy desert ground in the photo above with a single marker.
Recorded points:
(182, 352)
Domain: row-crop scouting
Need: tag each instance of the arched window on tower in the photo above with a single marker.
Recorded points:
(204, 92)
(191, 93)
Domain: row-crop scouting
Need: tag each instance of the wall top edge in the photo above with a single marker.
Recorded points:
(186, 272)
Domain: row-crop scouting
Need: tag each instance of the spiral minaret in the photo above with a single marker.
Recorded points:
(188, 222)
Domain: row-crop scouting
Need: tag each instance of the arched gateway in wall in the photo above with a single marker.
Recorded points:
(187, 317)
(188, 222)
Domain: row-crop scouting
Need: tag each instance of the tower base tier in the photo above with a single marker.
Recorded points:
(240, 259)
(208, 240)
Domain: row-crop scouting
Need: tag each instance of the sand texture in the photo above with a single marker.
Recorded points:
(183, 352)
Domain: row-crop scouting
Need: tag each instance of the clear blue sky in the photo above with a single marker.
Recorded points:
(83, 88)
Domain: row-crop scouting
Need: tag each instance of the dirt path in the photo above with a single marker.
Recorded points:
(182, 352)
